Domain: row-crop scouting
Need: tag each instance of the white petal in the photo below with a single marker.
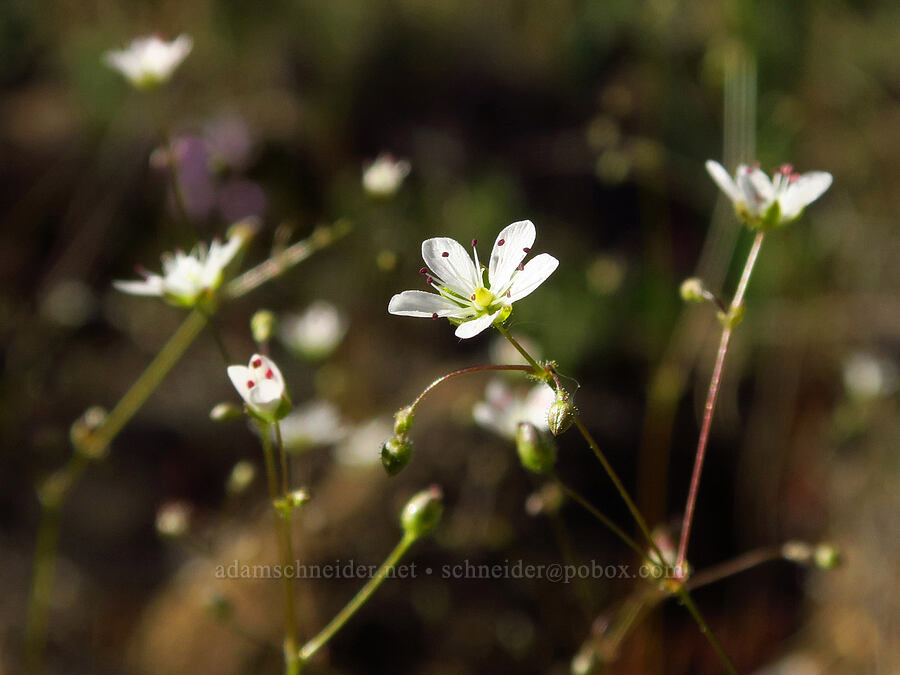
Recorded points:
(757, 188)
(718, 173)
(150, 286)
(806, 189)
(473, 327)
(533, 275)
(240, 376)
(266, 395)
(509, 251)
(421, 304)
(455, 269)
(261, 372)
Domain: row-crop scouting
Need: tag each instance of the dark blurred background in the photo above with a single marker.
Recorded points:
(593, 119)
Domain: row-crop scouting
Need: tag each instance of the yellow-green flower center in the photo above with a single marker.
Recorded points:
(483, 298)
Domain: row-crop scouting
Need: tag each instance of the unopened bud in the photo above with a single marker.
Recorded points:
(240, 478)
(561, 414)
(395, 454)
(299, 498)
(225, 412)
(423, 512)
(81, 433)
(536, 452)
(403, 420)
(692, 290)
(262, 326)
(826, 557)
(173, 519)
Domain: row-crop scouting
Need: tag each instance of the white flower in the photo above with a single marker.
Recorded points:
(462, 294)
(261, 386)
(186, 277)
(762, 202)
(503, 408)
(383, 177)
(315, 333)
(314, 424)
(149, 61)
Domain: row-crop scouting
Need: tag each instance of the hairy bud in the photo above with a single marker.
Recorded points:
(423, 512)
(536, 452)
(561, 414)
(395, 454)
(403, 420)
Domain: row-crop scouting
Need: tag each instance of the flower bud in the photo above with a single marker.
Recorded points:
(242, 474)
(403, 420)
(225, 412)
(536, 452)
(173, 519)
(262, 326)
(561, 414)
(395, 454)
(81, 433)
(826, 557)
(423, 512)
(299, 498)
(692, 290)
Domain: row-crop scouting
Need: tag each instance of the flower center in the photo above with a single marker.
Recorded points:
(483, 298)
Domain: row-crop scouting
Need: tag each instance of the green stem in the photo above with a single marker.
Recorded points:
(705, 629)
(539, 370)
(316, 643)
(464, 371)
(292, 663)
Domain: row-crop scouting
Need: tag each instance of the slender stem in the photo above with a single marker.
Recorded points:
(464, 371)
(741, 563)
(539, 370)
(706, 630)
(316, 643)
(285, 474)
(284, 260)
(283, 537)
(711, 396)
(599, 515)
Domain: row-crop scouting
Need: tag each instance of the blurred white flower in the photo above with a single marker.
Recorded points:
(868, 377)
(240, 478)
(503, 408)
(186, 277)
(149, 61)
(173, 519)
(362, 446)
(315, 333)
(762, 202)
(261, 386)
(502, 352)
(383, 177)
(462, 295)
(311, 425)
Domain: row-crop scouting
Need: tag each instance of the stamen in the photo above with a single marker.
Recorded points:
(474, 243)
(509, 294)
(250, 384)
(445, 254)
(501, 242)
(141, 271)
(473, 297)
(424, 270)
(527, 250)
(429, 280)
(793, 178)
(520, 267)
(434, 315)
(786, 169)
(269, 374)
(256, 363)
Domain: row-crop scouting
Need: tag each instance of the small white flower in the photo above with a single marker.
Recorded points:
(312, 425)
(762, 202)
(503, 408)
(462, 294)
(383, 177)
(261, 386)
(186, 277)
(315, 333)
(149, 61)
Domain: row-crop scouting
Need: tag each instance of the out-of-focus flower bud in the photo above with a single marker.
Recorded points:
(240, 478)
(82, 430)
(173, 519)
(262, 326)
(395, 454)
(692, 290)
(403, 420)
(423, 512)
(536, 452)
(225, 412)
(561, 414)
(827, 557)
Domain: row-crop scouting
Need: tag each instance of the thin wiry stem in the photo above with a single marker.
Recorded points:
(464, 371)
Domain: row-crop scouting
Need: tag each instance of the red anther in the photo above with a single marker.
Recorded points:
(793, 178)
(474, 243)
(786, 169)
(520, 267)
(527, 250)
(250, 384)
(501, 242)
(424, 270)
(141, 271)
(434, 315)
(508, 294)
(429, 280)
(473, 296)
(269, 374)
(445, 254)
(256, 363)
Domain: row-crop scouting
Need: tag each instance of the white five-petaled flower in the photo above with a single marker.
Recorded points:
(186, 277)
(383, 177)
(316, 332)
(463, 295)
(261, 386)
(762, 202)
(149, 61)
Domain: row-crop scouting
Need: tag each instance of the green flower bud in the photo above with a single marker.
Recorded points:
(403, 420)
(561, 414)
(692, 290)
(395, 454)
(262, 326)
(299, 498)
(225, 412)
(536, 452)
(826, 557)
(423, 512)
